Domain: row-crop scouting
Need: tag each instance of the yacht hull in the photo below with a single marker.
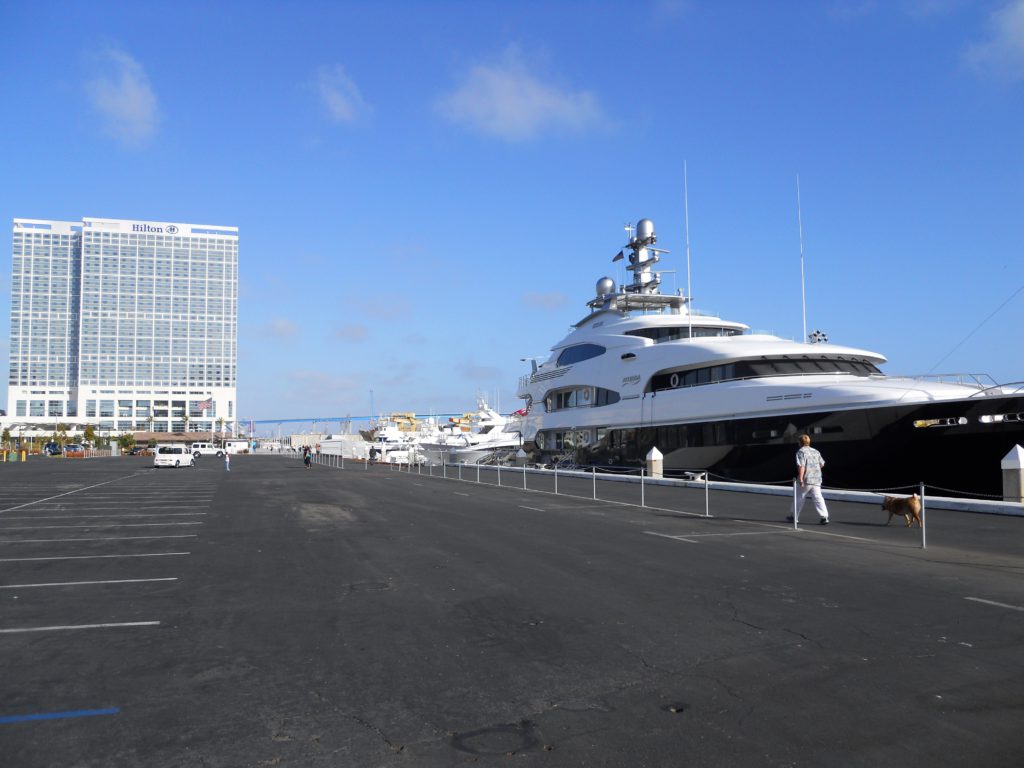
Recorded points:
(956, 446)
(444, 454)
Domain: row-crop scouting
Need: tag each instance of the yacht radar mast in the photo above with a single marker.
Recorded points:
(642, 293)
(642, 258)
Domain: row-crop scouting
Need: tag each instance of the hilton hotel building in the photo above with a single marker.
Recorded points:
(125, 325)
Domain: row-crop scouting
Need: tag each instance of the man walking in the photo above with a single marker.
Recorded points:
(809, 464)
(227, 461)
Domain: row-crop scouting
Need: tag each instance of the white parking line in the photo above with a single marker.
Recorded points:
(88, 557)
(98, 507)
(91, 526)
(666, 536)
(703, 535)
(84, 583)
(68, 493)
(535, 509)
(461, 494)
(82, 626)
(98, 538)
(102, 517)
(993, 602)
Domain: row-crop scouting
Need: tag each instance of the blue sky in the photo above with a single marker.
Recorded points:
(428, 191)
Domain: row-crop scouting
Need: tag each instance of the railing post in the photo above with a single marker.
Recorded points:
(524, 477)
(593, 474)
(556, 479)
(460, 470)
(444, 469)
(499, 474)
(924, 543)
(707, 501)
(796, 513)
(642, 499)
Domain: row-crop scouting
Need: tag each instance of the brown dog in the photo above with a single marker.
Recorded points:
(909, 508)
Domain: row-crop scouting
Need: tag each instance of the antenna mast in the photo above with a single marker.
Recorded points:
(686, 217)
(800, 226)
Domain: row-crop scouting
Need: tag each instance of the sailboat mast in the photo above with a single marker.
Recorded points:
(800, 226)
(686, 217)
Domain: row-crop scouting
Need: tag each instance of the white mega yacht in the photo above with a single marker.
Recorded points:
(642, 370)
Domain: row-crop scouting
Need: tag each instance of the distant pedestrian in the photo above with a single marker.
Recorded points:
(809, 463)
(307, 457)
(373, 455)
(227, 461)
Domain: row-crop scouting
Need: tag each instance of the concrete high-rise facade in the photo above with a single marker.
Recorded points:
(125, 325)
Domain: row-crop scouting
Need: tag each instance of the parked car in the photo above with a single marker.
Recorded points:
(206, 449)
(168, 455)
(140, 450)
(73, 448)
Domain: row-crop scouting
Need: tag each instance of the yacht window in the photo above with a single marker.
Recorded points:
(674, 333)
(579, 353)
(749, 369)
(580, 397)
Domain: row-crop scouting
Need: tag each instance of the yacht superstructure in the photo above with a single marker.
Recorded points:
(643, 370)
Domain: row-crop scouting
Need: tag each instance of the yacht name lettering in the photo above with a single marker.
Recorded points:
(627, 380)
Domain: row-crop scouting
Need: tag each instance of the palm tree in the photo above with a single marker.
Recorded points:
(184, 420)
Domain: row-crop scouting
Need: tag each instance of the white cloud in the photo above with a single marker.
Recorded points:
(123, 97)
(473, 372)
(280, 328)
(507, 101)
(317, 389)
(340, 95)
(545, 300)
(355, 332)
(1002, 53)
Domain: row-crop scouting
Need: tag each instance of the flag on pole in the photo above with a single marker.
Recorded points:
(206, 404)
(618, 256)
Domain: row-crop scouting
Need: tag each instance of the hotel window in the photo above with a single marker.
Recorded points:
(106, 409)
(90, 409)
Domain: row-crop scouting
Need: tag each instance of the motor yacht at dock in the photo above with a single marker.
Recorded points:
(473, 437)
(643, 370)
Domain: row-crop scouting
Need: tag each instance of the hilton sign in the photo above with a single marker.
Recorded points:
(170, 229)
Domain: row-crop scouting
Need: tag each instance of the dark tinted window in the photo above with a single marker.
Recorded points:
(748, 369)
(579, 353)
(681, 332)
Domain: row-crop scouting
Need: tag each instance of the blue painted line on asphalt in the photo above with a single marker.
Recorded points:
(59, 715)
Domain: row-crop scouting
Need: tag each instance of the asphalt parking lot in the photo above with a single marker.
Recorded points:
(274, 616)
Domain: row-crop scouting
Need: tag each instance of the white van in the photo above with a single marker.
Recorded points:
(173, 455)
